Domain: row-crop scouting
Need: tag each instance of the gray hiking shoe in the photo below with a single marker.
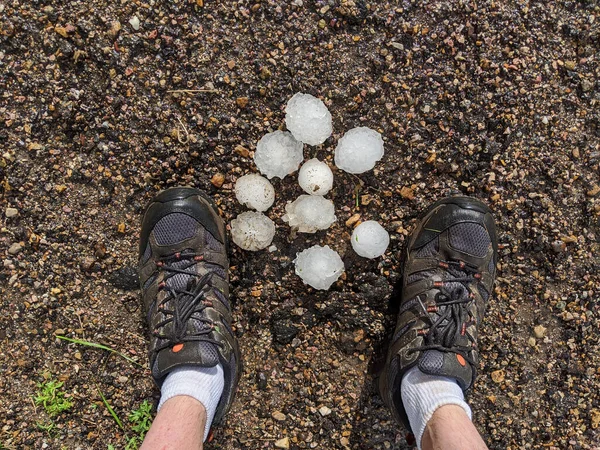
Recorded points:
(448, 279)
(185, 287)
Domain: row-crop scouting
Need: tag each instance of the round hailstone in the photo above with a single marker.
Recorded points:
(358, 150)
(319, 267)
(255, 192)
(252, 231)
(315, 177)
(308, 119)
(278, 154)
(309, 213)
(370, 239)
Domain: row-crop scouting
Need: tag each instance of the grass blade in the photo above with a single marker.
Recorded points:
(110, 410)
(100, 346)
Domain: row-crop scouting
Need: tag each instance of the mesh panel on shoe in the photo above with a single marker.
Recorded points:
(222, 298)
(216, 269)
(418, 276)
(484, 294)
(402, 330)
(209, 353)
(180, 281)
(409, 304)
(175, 228)
(233, 365)
(393, 373)
(212, 243)
(149, 281)
(432, 361)
(457, 289)
(147, 254)
(469, 238)
(492, 265)
(429, 249)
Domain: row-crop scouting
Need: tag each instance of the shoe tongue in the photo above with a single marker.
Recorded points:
(180, 281)
(447, 364)
(197, 353)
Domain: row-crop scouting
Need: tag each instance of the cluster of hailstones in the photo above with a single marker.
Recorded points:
(279, 154)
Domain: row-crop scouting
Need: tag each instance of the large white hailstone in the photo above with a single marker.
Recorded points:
(358, 150)
(370, 239)
(308, 119)
(309, 213)
(252, 231)
(315, 177)
(255, 192)
(319, 267)
(278, 154)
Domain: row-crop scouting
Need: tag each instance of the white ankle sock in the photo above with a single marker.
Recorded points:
(422, 394)
(205, 384)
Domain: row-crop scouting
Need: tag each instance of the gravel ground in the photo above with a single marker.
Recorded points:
(495, 99)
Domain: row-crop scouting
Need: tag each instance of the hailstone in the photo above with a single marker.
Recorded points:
(358, 150)
(278, 154)
(252, 231)
(319, 267)
(315, 177)
(308, 119)
(255, 192)
(309, 213)
(370, 239)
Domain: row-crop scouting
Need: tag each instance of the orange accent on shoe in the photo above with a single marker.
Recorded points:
(461, 360)
(211, 436)
(438, 283)
(177, 348)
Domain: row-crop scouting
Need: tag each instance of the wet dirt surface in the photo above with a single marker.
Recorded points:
(495, 99)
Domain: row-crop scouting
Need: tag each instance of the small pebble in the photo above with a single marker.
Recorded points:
(279, 416)
(135, 23)
(11, 212)
(15, 248)
(283, 443)
(539, 331)
(324, 411)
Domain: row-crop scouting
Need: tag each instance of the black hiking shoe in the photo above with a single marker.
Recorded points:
(449, 272)
(185, 287)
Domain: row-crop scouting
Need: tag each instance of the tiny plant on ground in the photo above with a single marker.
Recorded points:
(52, 397)
(140, 420)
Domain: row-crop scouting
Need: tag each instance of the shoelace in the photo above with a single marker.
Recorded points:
(452, 310)
(187, 304)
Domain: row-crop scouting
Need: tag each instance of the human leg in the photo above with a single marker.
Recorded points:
(450, 428)
(179, 424)
(448, 279)
(194, 355)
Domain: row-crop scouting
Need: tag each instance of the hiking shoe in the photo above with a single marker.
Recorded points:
(185, 287)
(449, 272)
